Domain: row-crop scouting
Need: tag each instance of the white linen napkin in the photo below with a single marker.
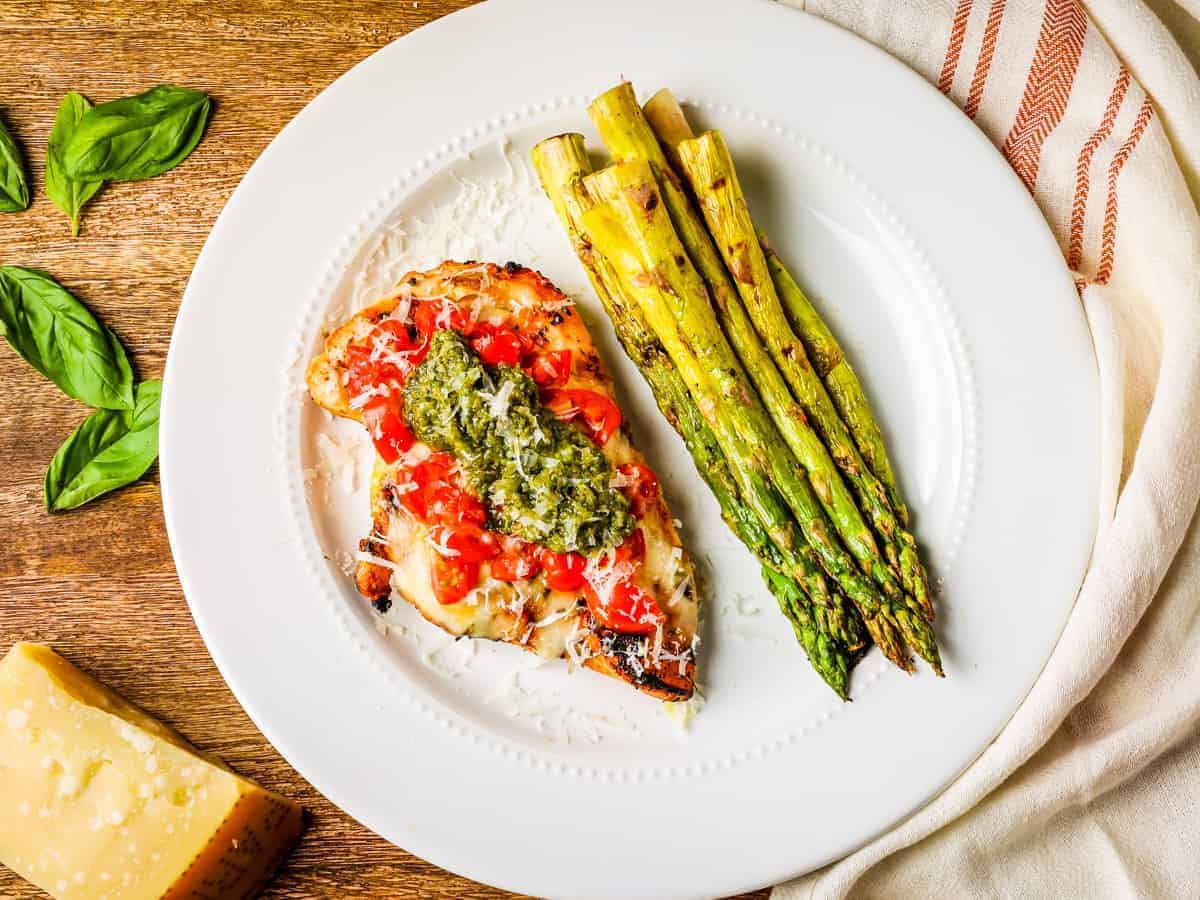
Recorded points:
(1092, 788)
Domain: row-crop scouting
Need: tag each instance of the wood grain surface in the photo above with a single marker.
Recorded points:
(98, 584)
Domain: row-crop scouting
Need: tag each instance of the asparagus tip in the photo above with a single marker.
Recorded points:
(887, 638)
(920, 637)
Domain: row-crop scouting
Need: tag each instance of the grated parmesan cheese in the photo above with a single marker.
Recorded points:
(604, 573)
(436, 537)
(620, 480)
(680, 591)
(344, 560)
(554, 617)
(575, 647)
(363, 556)
(509, 219)
(498, 404)
(337, 462)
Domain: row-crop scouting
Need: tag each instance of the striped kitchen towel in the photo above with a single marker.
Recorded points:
(1091, 790)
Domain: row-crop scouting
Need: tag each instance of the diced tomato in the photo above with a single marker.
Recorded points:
(405, 340)
(633, 548)
(451, 504)
(431, 494)
(413, 496)
(517, 560)
(564, 571)
(436, 467)
(360, 373)
(453, 578)
(561, 403)
(385, 358)
(641, 487)
(599, 413)
(384, 419)
(472, 543)
(549, 370)
(630, 609)
(401, 335)
(364, 373)
(496, 344)
(438, 314)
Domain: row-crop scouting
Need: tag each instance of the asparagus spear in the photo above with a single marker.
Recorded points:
(831, 660)
(828, 636)
(667, 120)
(709, 169)
(630, 227)
(839, 378)
(669, 124)
(629, 138)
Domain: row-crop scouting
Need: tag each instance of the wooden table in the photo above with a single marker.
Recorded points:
(98, 583)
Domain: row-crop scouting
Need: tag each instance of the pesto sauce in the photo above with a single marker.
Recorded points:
(541, 479)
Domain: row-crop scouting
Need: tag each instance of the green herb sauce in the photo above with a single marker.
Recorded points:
(541, 479)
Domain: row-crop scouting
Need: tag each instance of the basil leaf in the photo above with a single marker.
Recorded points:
(58, 336)
(137, 137)
(14, 189)
(67, 193)
(110, 449)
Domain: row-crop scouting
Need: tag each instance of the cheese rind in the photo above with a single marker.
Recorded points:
(99, 800)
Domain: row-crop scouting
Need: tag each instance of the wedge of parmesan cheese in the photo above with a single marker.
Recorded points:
(99, 800)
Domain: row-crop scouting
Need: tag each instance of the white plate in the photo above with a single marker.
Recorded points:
(932, 263)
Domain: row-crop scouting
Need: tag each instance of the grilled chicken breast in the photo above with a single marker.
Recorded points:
(628, 611)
